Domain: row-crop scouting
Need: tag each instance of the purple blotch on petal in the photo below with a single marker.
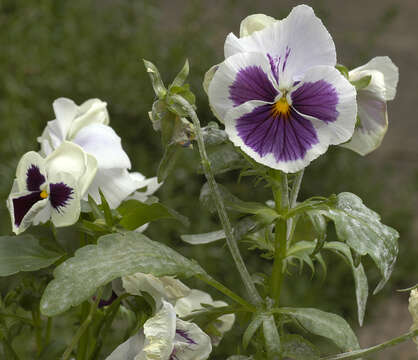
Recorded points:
(185, 336)
(318, 99)
(34, 178)
(60, 195)
(23, 204)
(251, 83)
(288, 137)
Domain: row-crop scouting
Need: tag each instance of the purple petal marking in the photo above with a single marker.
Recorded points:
(251, 83)
(318, 99)
(185, 336)
(286, 56)
(34, 178)
(60, 195)
(275, 62)
(288, 137)
(103, 302)
(23, 204)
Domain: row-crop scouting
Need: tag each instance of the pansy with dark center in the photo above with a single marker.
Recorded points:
(44, 190)
(279, 94)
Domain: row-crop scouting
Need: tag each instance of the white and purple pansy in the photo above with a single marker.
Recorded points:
(279, 94)
(51, 187)
(371, 101)
(165, 337)
(87, 125)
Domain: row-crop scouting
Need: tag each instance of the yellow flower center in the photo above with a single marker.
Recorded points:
(43, 194)
(281, 107)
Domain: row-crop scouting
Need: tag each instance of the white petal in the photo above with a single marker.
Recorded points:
(92, 111)
(147, 187)
(64, 197)
(159, 334)
(116, 185)
(29, 160)
(373, 124)
(302, 32)
(226, 75)
(385, 66)
(193, 301)
(255, 22)
(71, 158)
(29, 215)
(341, 130)
(162, 288)
(190, 342)
(65, 112)
(104, 144)
(129, 349)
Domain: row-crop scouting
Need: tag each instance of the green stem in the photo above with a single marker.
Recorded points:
(281, 198)
(223, 289)
(291, 222)
(36, 317)
(83, 342)
(220, 207)
(48, 331)
(83, 327)
(360, 353)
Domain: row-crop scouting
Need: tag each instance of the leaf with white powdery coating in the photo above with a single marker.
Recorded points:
(23, 253)
(325, 324)
(362, 230)
(298, 348)
(115, 255)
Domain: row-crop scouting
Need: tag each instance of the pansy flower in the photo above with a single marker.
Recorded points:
(279, 95)
(51, 187)
(87, 125)
(165, 337)
(371, 101)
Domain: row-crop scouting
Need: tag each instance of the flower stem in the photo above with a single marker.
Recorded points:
(220, 207)
(83, 327)
(291, 222)
(360, 353)
(281, 198)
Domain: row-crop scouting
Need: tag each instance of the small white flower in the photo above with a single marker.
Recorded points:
(160, 288)
(51, 187)
(413, 309)
(194, 301)
(87, 126)
(164, 337)
(371, 102)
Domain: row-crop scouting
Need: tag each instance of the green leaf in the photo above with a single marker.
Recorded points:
(167, 163)
(325, 324)
(271, 336)
(360, 279)
(23, 253)
(252, 329)
(362, 230)
(155, 77)
(213, 136)
(342, 69)
(208, 77)
(115, 255)
(206, 238)
(362, 83)
(182, 75)
(135, 213)
(95, 210)
(106, 209)
(225, 158)
(298, 348)
(265, 213)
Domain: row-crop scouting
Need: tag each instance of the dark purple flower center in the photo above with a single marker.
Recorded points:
(34, 178)
(23, 204)
(60, 195)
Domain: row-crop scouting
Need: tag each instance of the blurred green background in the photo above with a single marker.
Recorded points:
(83, 49)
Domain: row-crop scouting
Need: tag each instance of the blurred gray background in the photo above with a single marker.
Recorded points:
(83, 49)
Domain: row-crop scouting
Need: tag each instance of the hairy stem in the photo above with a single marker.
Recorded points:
(220, 207)
(356, 354)
(83, 327)
(281, 198)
